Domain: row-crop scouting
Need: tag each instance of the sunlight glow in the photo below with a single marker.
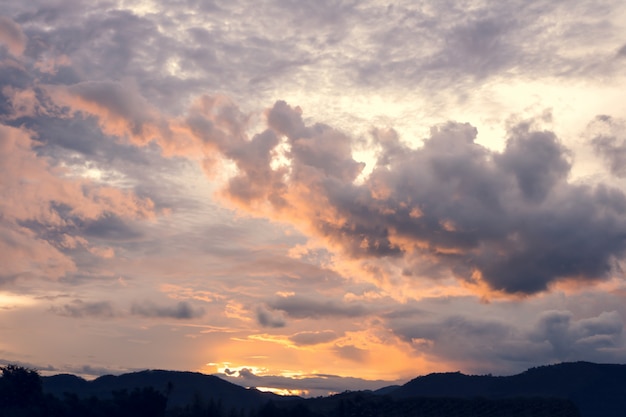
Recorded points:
(285, 392)
(9, 301)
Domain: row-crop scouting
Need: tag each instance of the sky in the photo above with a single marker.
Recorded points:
(311, 197)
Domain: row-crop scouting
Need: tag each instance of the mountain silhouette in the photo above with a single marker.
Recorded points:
(598, 390)
(568, 389)
(181, 388)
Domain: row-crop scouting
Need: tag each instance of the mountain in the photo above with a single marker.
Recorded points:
(181, 388)
(598, 390)
(579, 389)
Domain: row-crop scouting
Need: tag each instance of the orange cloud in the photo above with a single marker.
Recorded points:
(32, 191)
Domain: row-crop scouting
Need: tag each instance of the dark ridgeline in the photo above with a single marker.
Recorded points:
(567, 390)
(181, 388)
(598, 390)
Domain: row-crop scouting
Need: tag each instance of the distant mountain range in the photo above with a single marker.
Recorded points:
(181, 388)
(580, 388)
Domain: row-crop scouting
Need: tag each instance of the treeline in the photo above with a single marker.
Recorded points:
(21, 395)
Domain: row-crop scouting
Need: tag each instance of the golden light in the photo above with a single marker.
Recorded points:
(9, 301)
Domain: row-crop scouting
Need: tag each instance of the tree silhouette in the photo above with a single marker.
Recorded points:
(20, 387)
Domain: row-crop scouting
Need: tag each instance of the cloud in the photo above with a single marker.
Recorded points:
(609, 142)
(490, 343)
(571, 339)
(268, 318)
(12, 36)
(509, 221)
(302, 307)
(120, 109)
(313, 338)
(181, 311)
(79, 309)
(452, 202)
(352, 353)
(310, 385)
(43, 209)
(453, 337)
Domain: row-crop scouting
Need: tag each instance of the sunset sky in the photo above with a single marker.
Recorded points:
(312, 195)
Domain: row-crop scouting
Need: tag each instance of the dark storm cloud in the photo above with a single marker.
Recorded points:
(181, 311)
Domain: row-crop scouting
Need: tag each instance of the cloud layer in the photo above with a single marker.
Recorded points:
(289, 194)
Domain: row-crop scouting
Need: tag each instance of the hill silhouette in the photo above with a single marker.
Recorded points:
(598, 390)
(569, 389)
(181, 388)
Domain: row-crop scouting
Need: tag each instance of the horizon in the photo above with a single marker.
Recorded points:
(311, 195)
(325, 393)
(307, 393)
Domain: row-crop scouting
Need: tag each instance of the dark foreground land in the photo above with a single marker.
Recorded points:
(579, 389)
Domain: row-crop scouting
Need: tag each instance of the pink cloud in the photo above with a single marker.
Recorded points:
(31, 192)
(12, 36)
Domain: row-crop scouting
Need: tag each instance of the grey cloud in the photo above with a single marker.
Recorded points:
(111, 227)
(90, 370)
(79, 309)
(364, 43)
(446, 334)
(313, 338)
(181, 311)
(538, 162)
(466, 43)
(352, 353)
(508, 219)
(303, 307)
(269, 318)
(248, 374)
(493, 344)
(571, 339)
(118, 99)
(477, 47)
(609, 142)
(79, 370)
(45, 368)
